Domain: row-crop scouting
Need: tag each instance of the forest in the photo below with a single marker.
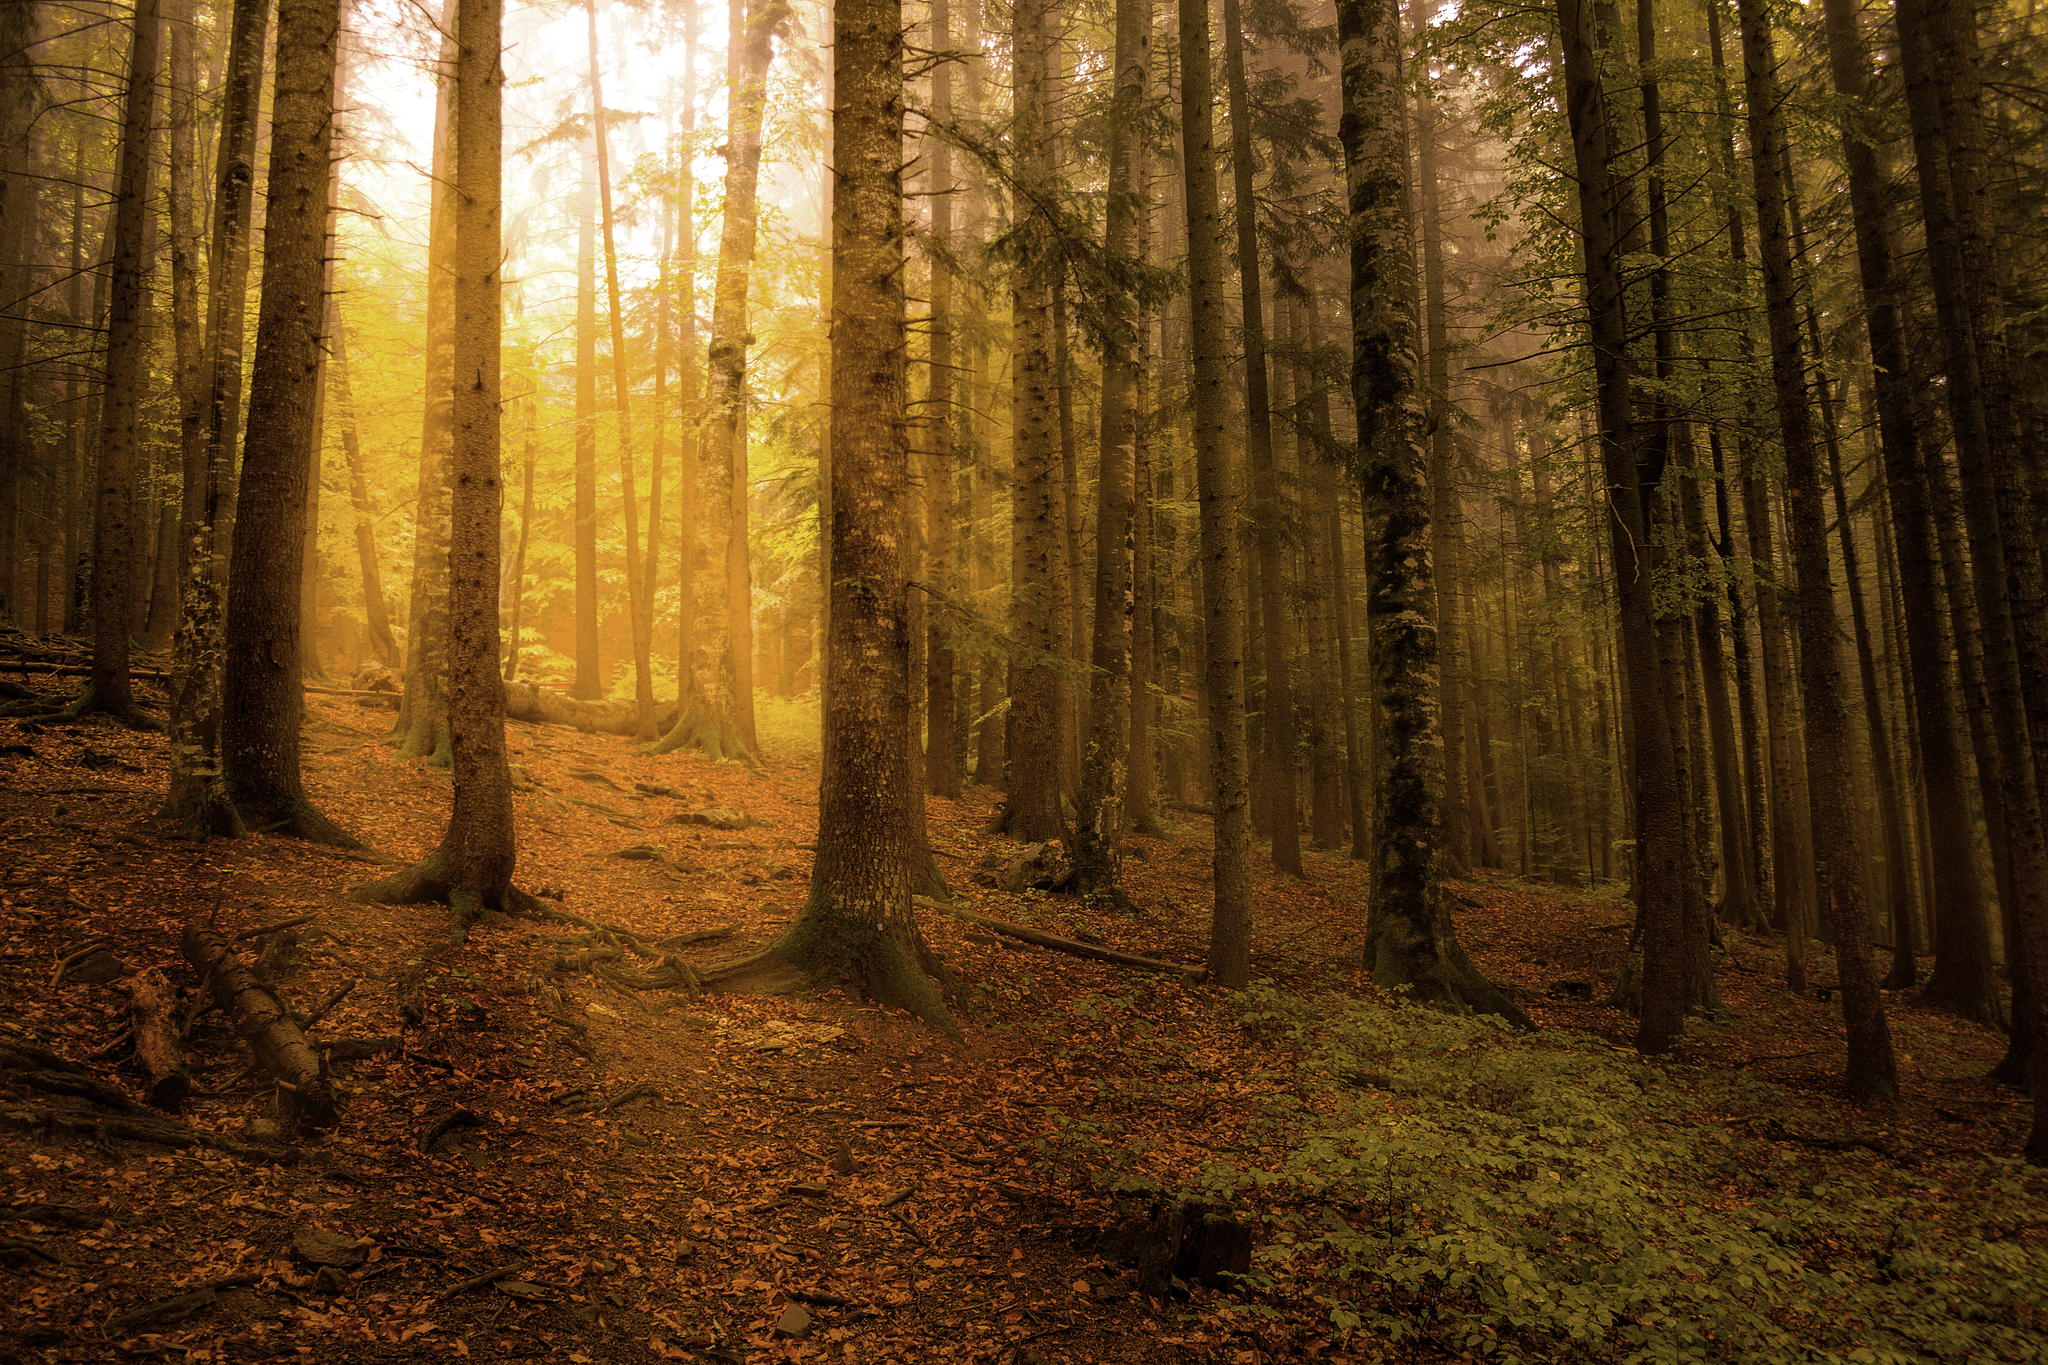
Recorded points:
(981, 680)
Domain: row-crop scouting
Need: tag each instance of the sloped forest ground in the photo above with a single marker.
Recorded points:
(540, 1158)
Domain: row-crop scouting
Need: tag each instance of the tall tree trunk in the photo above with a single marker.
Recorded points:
(115, 552)
(1607, 213)
(422, 730)
(472, 868)
(857, 930)
(1038, 719)
(1276, 654)
(260, 742)
(197, 799)
(942, 758)
(1963, 975)
(187, 342)
(376, 615)
(1792, 863)
(590, 682)
(1220, 494)
(1871, 1072)
(1099, 812)
(718, 713)
(1410, 939)
(17, 238)
(1938, 51)
(638, 620)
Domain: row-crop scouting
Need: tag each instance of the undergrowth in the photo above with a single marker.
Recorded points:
(1440, 1185)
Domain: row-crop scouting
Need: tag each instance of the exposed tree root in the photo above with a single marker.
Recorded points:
(1073, 947)
(1436, 971)
(300, 819)
(430, 881)
(88, 703)
(826, 952)
(720, 742)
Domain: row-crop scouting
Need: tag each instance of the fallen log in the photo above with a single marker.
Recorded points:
(265, 1025)
(1072, 947)
(154, 1004)
(537, 705)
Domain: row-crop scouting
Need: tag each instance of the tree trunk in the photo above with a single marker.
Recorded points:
(1276, 654)
(1963, 977)
(1038, 718)
(718, 713)
(1099, 812)
(263, 704)
(115, 558)
(1410, 940)
(1607, 213)
(197, 799)
(1220, 493)
(858, 930)
(1871, 1073)
(472, 869)
(422, 730)
(622, 399)
(941, 747)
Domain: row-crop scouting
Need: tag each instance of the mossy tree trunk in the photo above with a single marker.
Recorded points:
(1411, 943)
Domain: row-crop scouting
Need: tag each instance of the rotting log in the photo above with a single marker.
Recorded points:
(538, 705)
(1072, 947)
(265, 1025)
(154, 1005)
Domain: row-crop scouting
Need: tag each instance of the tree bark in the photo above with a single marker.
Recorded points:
(1099, 821)
(718, 713)
(472, 868)
(115, 556)
(260, 744)
(640, 623)
(197, 799)
(857, 930)
(1871, 1073)
(1220, 494)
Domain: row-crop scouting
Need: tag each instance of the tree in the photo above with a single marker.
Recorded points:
(1220, 492)
(1872, 1074)
(263, 704)
(472, 868)
(1100, 811)
(197, 800)
(115, 554)
(1410, 940)
(1962, 926)
(1038, 717)
(637, 575)
(718, 712)
(1276, 633)
(422, 730)
(857, 929)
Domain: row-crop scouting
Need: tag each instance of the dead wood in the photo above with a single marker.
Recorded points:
(139, 1126)
(1072, 947)
(153, 1003)
(265, 1025)
(537, 705)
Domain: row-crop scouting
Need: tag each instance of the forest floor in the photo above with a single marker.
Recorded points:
(552, 1166)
